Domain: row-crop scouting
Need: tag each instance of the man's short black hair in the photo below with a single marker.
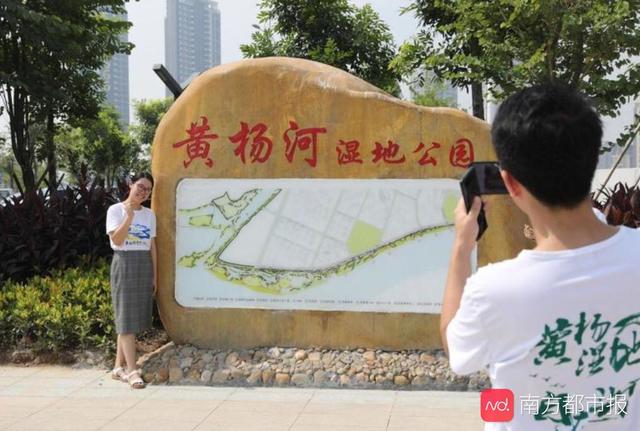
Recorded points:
(548, 137)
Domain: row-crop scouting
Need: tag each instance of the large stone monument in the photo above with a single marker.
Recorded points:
(298, 205)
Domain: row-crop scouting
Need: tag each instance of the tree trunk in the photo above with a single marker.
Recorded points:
(20, 142)
(52, 166)
(26, 167)
(477, 100)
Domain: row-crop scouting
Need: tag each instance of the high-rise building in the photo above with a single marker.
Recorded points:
(637, 142)
(192, 37)
(631, 158)
(115, 74)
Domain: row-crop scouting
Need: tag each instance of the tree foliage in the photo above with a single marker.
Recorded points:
(438, 20)
(70, 144)
(99, 144)
(431, 98)
(431, 93)
(50, 54)
(104, 149)
(333, 32)
(589, 44)
(148, 114)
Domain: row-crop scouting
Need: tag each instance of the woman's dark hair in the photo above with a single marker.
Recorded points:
(548, 137)
(145, 175)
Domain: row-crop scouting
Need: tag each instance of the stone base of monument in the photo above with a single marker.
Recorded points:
(281, 367)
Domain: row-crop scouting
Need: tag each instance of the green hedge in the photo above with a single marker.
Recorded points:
(69, 309)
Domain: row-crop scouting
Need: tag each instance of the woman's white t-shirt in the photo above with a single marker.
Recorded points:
(141, 230)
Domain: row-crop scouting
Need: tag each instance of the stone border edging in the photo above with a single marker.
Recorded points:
(322, 368)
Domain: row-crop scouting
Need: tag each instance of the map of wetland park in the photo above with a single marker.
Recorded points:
(361, 245)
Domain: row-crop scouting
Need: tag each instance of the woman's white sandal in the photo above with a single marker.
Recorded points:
(134, 380)
(118, 374)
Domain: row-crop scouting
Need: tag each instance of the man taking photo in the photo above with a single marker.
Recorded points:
(558, 325)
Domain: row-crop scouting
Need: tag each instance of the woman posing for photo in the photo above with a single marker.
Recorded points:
(134, 277)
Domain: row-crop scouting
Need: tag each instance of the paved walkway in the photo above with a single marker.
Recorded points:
(48, 398)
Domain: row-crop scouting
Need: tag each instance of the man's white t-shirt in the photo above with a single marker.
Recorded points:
(141, 230)
(561, 330)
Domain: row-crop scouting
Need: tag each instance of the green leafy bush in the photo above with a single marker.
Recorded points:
(69, 309)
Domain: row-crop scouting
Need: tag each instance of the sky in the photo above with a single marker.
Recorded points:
(237, 18)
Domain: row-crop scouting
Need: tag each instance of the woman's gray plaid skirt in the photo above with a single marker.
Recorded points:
(132, 290)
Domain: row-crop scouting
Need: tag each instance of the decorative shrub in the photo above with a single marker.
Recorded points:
(69, 309)
(40, 232)
(621, 205)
